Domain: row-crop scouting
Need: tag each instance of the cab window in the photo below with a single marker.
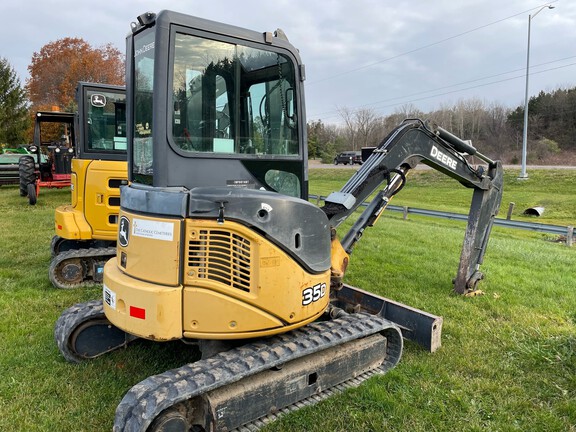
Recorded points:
(232, 99)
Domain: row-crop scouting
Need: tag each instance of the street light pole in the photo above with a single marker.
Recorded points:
(523, 173)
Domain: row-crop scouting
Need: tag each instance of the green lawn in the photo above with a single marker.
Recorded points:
(507, 362)
(428, 189)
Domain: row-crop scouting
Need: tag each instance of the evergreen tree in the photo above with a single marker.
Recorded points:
(14, 117)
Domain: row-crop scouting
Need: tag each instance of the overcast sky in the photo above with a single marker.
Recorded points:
(377, 54)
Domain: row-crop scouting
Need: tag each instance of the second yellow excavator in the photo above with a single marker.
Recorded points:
(86, 229)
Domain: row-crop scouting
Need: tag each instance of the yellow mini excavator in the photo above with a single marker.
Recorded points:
(219, 246)
(86, 229)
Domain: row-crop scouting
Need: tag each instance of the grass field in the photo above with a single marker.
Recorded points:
(553, 190)
(507, 362)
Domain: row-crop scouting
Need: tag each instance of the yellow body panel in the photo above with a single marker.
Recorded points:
(232, 316)
(231, 284)
(71, 224)
(153, 250)
(147, 310)
(211, 315)
(102, 196)
(95, 203)
(250, 272)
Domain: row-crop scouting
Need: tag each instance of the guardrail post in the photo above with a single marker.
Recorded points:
(405, 212)
(510, 209)
(569, 236)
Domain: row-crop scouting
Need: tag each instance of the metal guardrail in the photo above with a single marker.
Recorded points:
(567, 231)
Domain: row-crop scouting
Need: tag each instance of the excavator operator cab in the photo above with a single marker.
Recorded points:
(233, 112)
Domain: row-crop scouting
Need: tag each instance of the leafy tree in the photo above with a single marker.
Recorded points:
(13, 106)
(551, 116)
(57, 68)
(323, 141)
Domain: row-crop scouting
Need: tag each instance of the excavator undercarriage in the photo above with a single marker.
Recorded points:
(224, 391)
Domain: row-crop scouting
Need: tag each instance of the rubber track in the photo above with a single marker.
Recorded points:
(75, 254)
(72, 318)
(260, 423)
(150, 397)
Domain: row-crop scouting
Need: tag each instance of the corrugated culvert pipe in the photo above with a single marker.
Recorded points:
(534, 211)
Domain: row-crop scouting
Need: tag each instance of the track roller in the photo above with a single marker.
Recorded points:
(80, 267)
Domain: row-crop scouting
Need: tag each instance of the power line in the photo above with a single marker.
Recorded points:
(426, 46)
(459, 84)
(479, 85)
(456, 91)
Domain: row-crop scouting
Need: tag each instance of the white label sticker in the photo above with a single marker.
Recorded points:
(153, 229)
(109, 297)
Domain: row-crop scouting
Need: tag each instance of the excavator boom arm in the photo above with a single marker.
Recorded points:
(411, 143)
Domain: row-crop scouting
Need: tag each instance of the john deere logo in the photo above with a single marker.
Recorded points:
(124, 231)
(98, 100)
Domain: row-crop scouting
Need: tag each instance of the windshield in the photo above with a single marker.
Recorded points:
(232, 99)
(143, 85)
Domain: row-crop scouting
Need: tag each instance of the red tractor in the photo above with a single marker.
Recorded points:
(49, 164)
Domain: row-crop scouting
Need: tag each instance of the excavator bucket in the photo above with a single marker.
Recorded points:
(483, 209)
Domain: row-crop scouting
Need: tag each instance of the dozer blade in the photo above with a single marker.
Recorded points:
(246, 385)
(416, 325)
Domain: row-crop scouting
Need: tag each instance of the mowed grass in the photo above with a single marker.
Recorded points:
(507, 362)
(429, 189)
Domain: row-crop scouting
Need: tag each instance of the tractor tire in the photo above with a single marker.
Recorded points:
(27, 173)
(32, 198)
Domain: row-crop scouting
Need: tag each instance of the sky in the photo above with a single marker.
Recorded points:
(359, 54)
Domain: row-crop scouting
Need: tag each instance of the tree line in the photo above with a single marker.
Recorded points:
(493, 128)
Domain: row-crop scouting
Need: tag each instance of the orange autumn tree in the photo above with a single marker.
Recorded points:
(56, 69)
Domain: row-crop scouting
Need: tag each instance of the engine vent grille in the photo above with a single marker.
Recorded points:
(220, 256)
